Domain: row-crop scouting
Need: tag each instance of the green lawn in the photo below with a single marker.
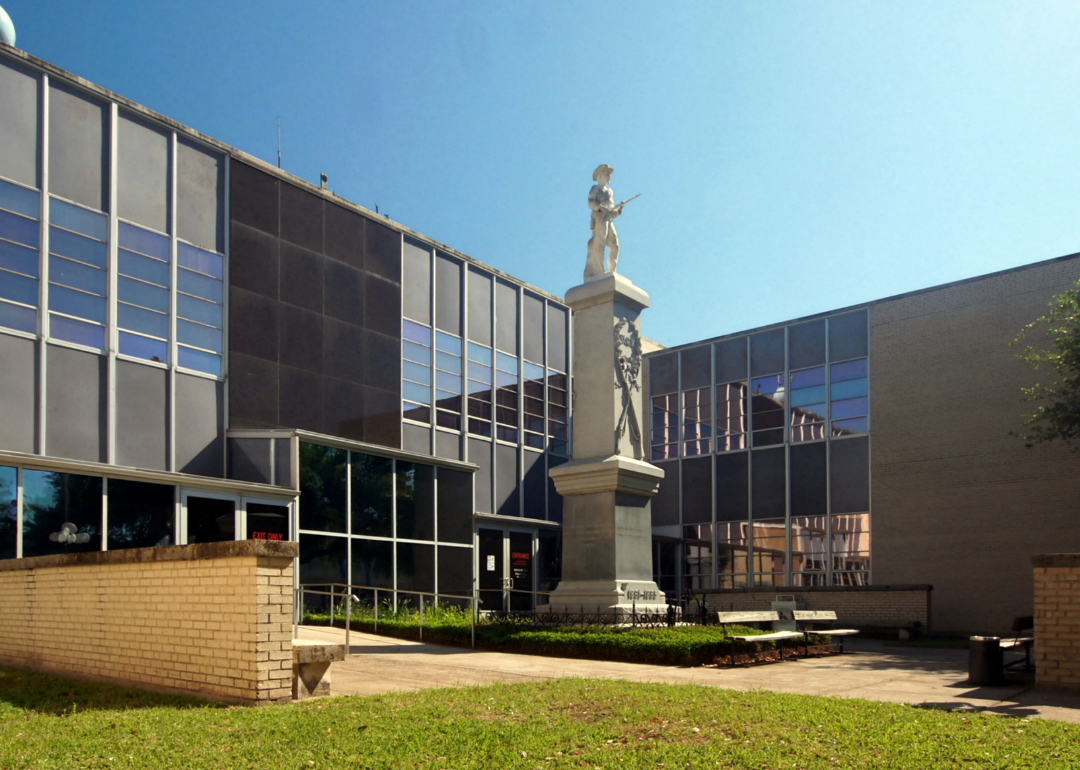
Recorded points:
(51, 723)
(678, 646)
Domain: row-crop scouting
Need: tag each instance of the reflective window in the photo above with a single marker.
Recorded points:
(533, 399)
(372, 496)
(697, 421)
(557, 415)
(480, 390)
(506, 397)
(210, 520)
(732, 553)
(9, 518)
(697, 557)
(78, 274)
(665, 426)
(770, 552)
(732, 416)
(19, 271)
(323, 488)
(809, 550)
(415, 501)
(141, 515)
(61, 513)
(201, 317)
(448, 380)
(416, 372)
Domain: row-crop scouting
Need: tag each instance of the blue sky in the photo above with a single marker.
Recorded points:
(793, 157)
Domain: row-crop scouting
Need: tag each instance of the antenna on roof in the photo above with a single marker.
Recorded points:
(324, 181)
(279, 142)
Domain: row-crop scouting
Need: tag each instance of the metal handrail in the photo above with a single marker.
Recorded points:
(350, 597)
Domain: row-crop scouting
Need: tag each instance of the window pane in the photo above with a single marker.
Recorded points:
(418, 393)
(199, 336)
(805, 396)
(323, 560)
(373, 563)
(198, 310)
(138, 266)
(19, 229)
(808, 377)
(78, 219)
(20, 200)
(77, 247)
(146, 321)
(143, 347)
(479, 354)
(77, 275)
(372, 495)
(322, 488)
(848, 389)
(506, 363)
(18, 288)
(849, 475)
(416, 372)
(849, 370)
(732, 487)
(767, 385)
(18, 258)
(852, 407)
(15, 317)
(664, 373)
(144, 242)
(447, 381)
(9, 517)
(448, 362)
(88, 306)
(448, 343)
(770, 547)
(768, 484)
(414, 352)
(199, 361)
(808, 480)
(61, 513)
(197, 259)
(767, 352)
(849, 427)
(806, 344)
(416, 332)
(809, 547)
(141, 515)
(76, 331)
(142, 294)
(199, 285)
(415, 501)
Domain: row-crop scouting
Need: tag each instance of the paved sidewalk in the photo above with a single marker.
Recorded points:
(925, 677)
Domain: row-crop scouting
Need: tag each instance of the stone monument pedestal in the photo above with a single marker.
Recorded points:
(608, 486)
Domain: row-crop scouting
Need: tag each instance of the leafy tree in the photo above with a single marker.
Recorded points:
(1059, 418)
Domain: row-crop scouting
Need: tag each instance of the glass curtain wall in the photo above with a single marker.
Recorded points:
(130, 259)
(73, 513)
(785, 414)
(384, 523)
(485, 369)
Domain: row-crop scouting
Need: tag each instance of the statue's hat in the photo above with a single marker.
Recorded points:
(603, 167)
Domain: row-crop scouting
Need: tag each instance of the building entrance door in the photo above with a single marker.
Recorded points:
(505, 569)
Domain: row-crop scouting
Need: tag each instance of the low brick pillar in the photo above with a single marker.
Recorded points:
(212, 620)
(311, 667)
(1057, 621)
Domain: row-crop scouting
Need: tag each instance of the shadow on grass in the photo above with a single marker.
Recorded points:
(49, 694)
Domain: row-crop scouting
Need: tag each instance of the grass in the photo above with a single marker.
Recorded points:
(47, 723)
(679, 646)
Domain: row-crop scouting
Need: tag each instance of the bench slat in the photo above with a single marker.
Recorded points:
(815, 615)
(775, 636)
(747, 617)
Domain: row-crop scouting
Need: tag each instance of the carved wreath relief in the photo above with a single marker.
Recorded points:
(628, 380)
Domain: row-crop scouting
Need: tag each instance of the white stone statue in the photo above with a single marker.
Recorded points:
(604, 211)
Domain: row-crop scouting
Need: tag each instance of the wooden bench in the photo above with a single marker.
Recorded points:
(814, 617)
(727, 618)
(1019, 641)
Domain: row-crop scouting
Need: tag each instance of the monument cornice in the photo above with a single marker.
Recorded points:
(609, 287)
(608, 474)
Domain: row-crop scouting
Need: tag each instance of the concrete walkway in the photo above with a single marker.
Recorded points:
(925, 677)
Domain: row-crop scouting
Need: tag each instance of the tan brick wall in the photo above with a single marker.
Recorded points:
(889, 605)
(213, 620)
(957, 502)
(1057, 621)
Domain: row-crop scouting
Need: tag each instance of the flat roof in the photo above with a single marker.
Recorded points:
(861, 305)
(53, 71)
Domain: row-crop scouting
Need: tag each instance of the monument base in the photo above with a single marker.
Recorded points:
(606, 598)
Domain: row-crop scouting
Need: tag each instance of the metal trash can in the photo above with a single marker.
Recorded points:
(985, 662)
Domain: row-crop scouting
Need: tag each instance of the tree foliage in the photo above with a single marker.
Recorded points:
(1059, 352)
